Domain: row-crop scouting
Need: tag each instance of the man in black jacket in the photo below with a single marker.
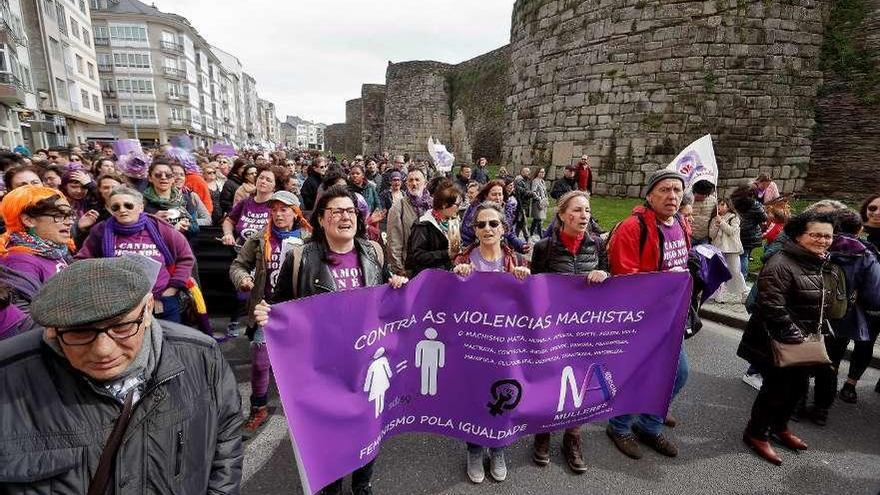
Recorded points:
(567, 183)
(103, 360)
(309, 189)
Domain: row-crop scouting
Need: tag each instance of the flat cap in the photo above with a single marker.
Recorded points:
(94, 290)
(285, 197)
(661, 175)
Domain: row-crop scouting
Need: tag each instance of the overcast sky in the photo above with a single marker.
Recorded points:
(309, 57)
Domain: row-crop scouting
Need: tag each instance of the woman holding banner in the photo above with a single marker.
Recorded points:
(337, 257)
(571, 248)
(489, 253)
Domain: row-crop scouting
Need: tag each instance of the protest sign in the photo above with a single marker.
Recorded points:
(442, 158)
(224, 149)
(697, 162)
(487, 359)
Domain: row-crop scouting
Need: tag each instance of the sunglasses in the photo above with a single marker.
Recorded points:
(163, 175)
(491, 223)
(873, 208)
(118, 206)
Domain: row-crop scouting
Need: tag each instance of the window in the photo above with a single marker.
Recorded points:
(50, 9)
(79, 64)
(176, 113)
(105, 60)
(74, 28)
(91, 70)
(55, 48)
(82, 6)
(169, 37)
(86, 38)
(139, 112)
(96, 103)
(62, 18)
(107, 85)
(61, 89)
(110, 112)
(142, 86)
(132, 60)
(128, 33)
(84, 96)
(101, 32)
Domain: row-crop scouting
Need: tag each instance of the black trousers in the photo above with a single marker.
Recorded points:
(360, 479)
(826, 377)
(783, 388)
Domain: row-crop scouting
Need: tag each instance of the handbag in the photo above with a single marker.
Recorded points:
(807, 353)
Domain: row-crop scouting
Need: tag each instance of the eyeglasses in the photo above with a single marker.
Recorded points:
(117, 332)
(177, 175)
(163, 175)
(337, 213)
(60, 217)
(491, 223)
(118, 206)
(210, 172)
(816, 236)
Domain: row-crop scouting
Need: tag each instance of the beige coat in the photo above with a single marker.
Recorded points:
(401, 218)
(703, 211)
(725, 235)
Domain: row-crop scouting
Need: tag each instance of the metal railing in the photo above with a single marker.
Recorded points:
(105, 68)
(10, 79)
(102, 41)
(170, 46)
(175, 73)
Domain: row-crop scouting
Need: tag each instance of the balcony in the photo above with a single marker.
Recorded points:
(182, 96)
(114, 119)
(172, 73)
(109, 93)
(12, 25)
(105, 68)
(11, 89)
(171, 47)
(102, 41)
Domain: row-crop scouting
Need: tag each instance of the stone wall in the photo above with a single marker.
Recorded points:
(847, 142)
(334, 138)
(353, 122)
(372, 117)
(478, 89)
(631, 82)
(416, 107)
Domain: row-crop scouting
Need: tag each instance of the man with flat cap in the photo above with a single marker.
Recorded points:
(108, 400)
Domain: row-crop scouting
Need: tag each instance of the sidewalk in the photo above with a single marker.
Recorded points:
(735, 316)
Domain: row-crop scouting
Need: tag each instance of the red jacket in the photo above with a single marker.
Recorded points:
(198, 185)
(636, 244)
(584, 177)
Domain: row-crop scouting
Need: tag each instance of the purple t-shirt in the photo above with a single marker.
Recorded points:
(675, 250)
(483, 265)
(141, 243)
(34, 266)
(249, 217)
(346, 270)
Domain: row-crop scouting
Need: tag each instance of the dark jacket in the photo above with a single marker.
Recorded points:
(227, 194)
(562, 186)
(790, 288)
(428, 246)
(873, 236)
(368, 191)
(183, 436)
(309, 190)
(752, 217)
(480, 175)
(862, 272)
(550, 256)
(315, 276)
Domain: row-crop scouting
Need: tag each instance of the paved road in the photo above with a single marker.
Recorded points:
(712, 410)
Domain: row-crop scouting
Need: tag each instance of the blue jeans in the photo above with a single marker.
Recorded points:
(744, 262)
(649, 423)
(170, 308)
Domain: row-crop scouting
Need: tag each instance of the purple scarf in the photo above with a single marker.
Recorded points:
(420, 203)
(112, 227)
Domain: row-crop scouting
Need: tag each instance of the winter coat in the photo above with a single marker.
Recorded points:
(401, 218)
(862, 271)
(562, 186)
(227, 194)
(725, 235)
(540, 201)
(369, 193)
(551, 256)
(183, 436)
(309, 190)
(872, 235)
(790, 288)
(480, 175)
(428, 245)
(628, 253)
(752, 218)
(314, 273)
(702, 218)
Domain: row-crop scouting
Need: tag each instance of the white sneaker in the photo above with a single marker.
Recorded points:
(475, 469)
(497, 465)
(755, 381)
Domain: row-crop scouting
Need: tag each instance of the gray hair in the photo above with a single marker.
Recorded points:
(126, 191)
(497, 208)
(830, 204)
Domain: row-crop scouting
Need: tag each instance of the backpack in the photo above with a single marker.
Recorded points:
(834, 281)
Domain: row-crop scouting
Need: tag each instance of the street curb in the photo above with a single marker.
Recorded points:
(740, 323)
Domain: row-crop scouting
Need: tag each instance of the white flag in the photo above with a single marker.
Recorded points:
(697, 162)
(443, 159)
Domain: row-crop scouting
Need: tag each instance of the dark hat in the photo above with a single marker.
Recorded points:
(572, 167)
(661, 175)
(94, 290)
(396, 175)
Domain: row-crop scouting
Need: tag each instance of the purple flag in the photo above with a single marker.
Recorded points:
(223, 149)
(487, 359)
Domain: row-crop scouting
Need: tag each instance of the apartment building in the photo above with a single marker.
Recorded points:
(16, 87)
(234, 96)
(63, 70)
(268, 120)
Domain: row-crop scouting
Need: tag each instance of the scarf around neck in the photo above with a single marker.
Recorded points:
(175, 201)
(28, 243)
(112, 228)
(420, 203)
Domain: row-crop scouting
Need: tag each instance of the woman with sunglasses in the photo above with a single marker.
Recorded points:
(249, 184)
(574, 249)
(493, 191)
(166, 201)
(436, 238)
(870, 211)
(338, 257)
(131, 231)
(489, 253)
(37, 243)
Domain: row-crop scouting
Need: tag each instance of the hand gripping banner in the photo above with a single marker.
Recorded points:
(487, 359)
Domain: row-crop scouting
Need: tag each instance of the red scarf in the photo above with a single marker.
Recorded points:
(571, 242)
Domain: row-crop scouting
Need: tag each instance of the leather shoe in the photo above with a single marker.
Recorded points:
(627, 444)
(819, 416)
(762, 448)
(848, 393)
(571, 450)
(788, 439)
(541, 450)
(660, 442)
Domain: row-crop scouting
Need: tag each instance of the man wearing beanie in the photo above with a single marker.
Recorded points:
(653, 238)
(107, 399)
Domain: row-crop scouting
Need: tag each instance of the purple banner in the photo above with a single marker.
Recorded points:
(487, 359)
(223, 149)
